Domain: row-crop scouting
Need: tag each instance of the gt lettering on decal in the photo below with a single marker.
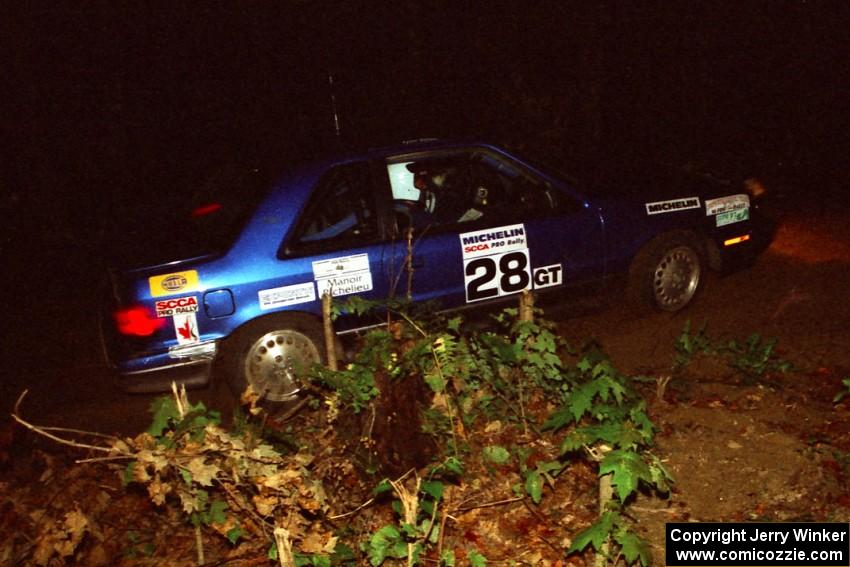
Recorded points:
(495, 262)
(172, 284)
(169, 307)
(548, 276)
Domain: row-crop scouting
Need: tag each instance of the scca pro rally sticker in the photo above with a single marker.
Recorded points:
(343, 276)
(495, 262)
(169, 307)
(186, 328)
(287, 295)
(172, 284)
(672, 205)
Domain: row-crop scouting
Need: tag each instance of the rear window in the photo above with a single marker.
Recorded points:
(204, 221)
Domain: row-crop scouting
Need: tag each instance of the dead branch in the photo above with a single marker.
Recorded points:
(489, 504)
(46, 433)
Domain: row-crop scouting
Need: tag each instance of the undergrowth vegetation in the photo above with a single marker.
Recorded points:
(510, 401)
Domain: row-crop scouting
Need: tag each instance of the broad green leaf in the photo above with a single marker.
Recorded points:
(434, 379)
(447, 559)
(627, 469)
(233, 534)
(534, 485)
(164, 409)
(581, 399)
(433, 488)
(595, 535)
(216, 512)
(560, 418)
(496, 454)
(476, 559)
(384, 543)
(633, 547)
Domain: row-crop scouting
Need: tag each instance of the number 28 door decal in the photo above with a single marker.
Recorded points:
(495, 262)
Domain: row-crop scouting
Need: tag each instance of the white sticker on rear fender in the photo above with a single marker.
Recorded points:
(286, 295)
(726, 204)
(186, 328)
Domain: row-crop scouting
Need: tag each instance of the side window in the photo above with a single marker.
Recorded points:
(340, 213)
(472, 187)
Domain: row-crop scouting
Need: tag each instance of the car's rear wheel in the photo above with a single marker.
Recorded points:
(274, 355)
(667, 273)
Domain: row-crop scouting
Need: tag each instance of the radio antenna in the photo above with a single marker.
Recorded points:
(333, 105)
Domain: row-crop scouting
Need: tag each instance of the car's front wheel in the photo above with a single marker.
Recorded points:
(274, 355)
(667, 273)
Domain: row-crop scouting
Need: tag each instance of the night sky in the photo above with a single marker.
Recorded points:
(116, 110)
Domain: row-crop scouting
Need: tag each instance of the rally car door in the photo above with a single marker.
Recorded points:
(483, 228)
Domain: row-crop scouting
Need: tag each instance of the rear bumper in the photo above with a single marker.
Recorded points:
(194, 373)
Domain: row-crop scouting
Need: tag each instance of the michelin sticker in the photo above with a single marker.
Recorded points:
(186, 328)
(176, 306)
(495, 262)
(287, 295)
(673, 205)
(343, 276)
(725, 204)
(172, 284)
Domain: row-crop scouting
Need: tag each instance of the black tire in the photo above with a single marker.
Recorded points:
(273, 354)
(667, 273)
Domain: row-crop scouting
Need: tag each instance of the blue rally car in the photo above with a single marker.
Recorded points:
(463, 224)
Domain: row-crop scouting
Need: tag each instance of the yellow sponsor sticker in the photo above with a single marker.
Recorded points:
(178, 282)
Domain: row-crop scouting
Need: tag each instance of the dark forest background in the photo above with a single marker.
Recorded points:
(114, 111)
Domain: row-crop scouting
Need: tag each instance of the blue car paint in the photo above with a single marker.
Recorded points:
(596, 239)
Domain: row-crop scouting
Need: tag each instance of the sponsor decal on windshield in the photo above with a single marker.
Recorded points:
(725, 204)
(343, 276)
(495, 262)
(672, 205)
(169, 307)
(172, 284)
(287, 295)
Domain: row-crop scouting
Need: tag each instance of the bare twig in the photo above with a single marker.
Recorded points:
(199, 544)
(45, 433)
(410, 506)
(327, 324)
(445, 516)
(284, 547)
(352, 512)
(489, 504)
(370, 501)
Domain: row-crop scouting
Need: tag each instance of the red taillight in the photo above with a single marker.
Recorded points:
(207, 209)
(137, 320)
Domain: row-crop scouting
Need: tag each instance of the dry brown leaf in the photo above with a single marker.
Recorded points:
(202, 472)
(265, 505)
(158, 490)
